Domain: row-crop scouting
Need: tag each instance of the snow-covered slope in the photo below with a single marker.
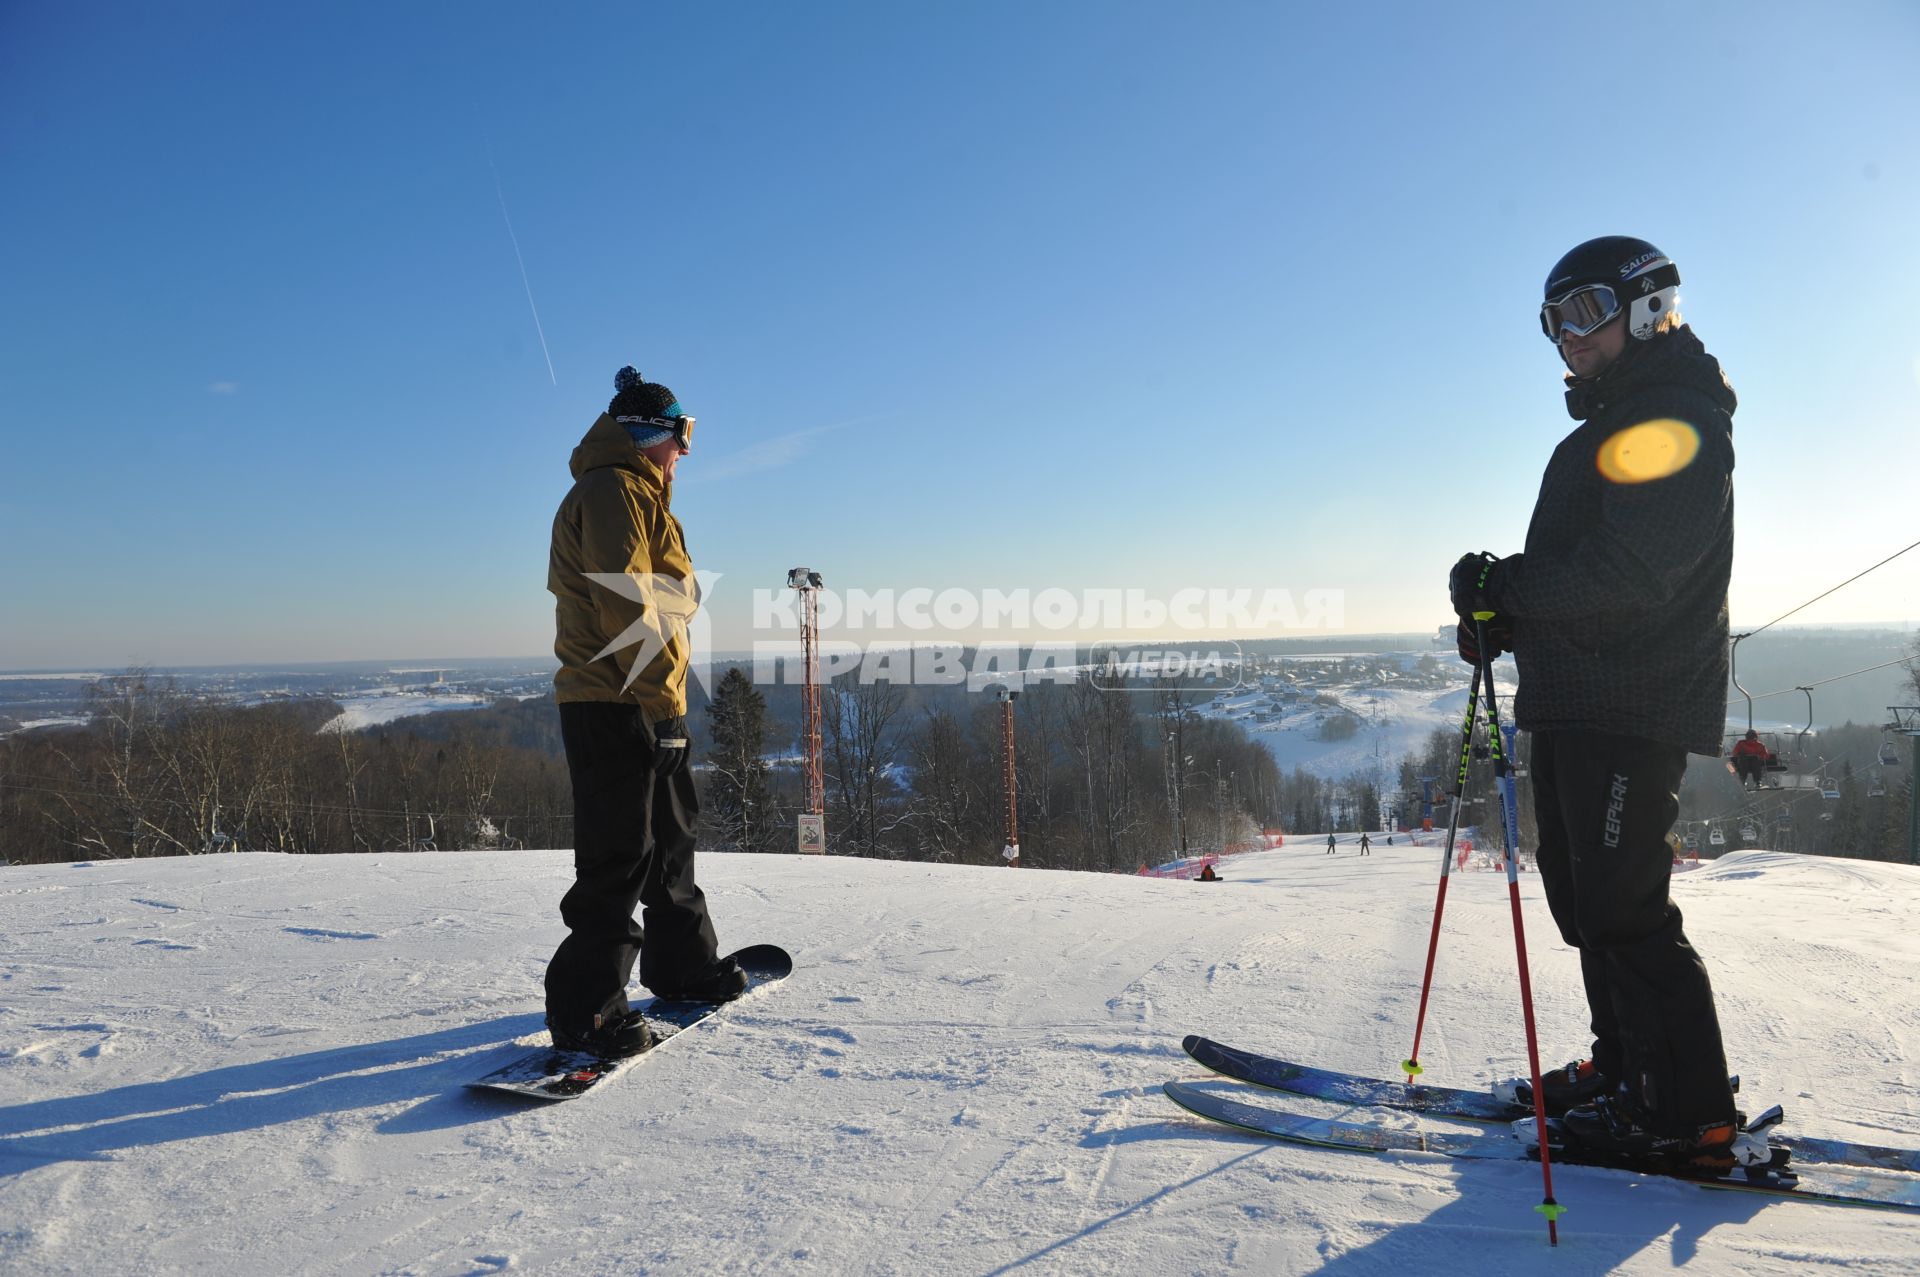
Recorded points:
(253, 1063)
(1384, 722)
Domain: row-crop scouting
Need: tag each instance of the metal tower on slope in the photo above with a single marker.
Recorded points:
(813, 836)
(1011, 852)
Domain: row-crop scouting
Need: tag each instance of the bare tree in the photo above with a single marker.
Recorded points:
(859, 747)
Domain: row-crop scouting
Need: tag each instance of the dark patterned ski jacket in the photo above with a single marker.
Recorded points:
(1619, 607)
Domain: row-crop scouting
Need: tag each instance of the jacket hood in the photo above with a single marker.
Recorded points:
(607, 443)
(1676, 359)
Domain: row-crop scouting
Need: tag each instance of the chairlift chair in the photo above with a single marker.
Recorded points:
(1748, 834)
(1717, 836)
(1889, 756)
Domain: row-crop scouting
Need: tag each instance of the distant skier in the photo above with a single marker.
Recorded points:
(1616, 614)
(1366, 848)
(1750, 759)
(1330, 844)
(1207, 874)
(623, 722)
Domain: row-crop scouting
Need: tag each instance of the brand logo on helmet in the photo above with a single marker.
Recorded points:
(1646, 261)
(1646, 286)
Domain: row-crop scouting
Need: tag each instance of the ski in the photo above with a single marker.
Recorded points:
(1839, 1185)
(1479, 1106)
(545, 1073)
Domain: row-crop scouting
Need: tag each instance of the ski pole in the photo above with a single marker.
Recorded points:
(1510, 840)
(1411, 1065)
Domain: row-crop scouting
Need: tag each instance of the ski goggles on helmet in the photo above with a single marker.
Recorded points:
(1579, 311)
(680, 426)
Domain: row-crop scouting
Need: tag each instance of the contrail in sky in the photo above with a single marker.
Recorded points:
(505, 216)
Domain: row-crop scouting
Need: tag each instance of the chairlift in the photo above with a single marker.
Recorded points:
(1771, 765)
(1692, 842)
(1877, 790)
(1889, 755)
(1717, 836)
(1748, 834)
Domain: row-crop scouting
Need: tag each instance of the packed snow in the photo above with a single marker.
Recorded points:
(254, 1063)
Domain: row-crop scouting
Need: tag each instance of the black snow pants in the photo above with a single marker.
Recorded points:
(1604, 804)
(633, 837)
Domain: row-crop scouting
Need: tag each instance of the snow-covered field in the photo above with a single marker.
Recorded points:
(253, 1064)
(357, 712)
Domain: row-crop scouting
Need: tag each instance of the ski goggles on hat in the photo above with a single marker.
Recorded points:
(1579, 312)
(679, 426)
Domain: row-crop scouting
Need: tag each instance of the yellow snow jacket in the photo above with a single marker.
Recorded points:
(622, 583)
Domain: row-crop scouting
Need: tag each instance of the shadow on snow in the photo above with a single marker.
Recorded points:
(430, 1067)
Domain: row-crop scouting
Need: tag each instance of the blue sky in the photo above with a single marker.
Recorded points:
(1009, 295)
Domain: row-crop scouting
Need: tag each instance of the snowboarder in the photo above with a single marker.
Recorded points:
(1366, 848)
(1207, 874)
(624, 588)
(1750, 759)
(1616, 614)
(1330, 850)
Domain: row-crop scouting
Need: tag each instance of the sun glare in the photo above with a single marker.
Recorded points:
(1648, 451)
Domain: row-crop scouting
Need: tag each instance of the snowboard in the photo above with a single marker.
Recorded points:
(1480, 1106)
(1840, 1185)
(547, 1073)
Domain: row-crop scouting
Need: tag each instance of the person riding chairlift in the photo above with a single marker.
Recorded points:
(1750, 758)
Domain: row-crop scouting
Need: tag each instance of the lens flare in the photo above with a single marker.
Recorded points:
(1651, 450)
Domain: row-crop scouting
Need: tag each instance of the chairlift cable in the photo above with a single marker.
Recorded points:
(1816, 598)
(1761, 696)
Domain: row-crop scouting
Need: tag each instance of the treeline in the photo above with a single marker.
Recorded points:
(159, 773)
(1109, 776)
(1107, 779)
(1838, 798)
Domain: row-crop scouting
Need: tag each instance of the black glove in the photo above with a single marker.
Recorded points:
(670, 745)
(1499, 640)
(1477, 580)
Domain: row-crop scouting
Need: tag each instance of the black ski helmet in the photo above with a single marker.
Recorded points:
(1644, 282)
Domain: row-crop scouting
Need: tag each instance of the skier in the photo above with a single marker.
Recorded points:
(622, 693)
(1330, 844)
(1616, 613)
(1366, 848)
(1750, 759)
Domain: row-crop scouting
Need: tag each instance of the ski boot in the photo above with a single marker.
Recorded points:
(1569, 1086)
(1613, 1126)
